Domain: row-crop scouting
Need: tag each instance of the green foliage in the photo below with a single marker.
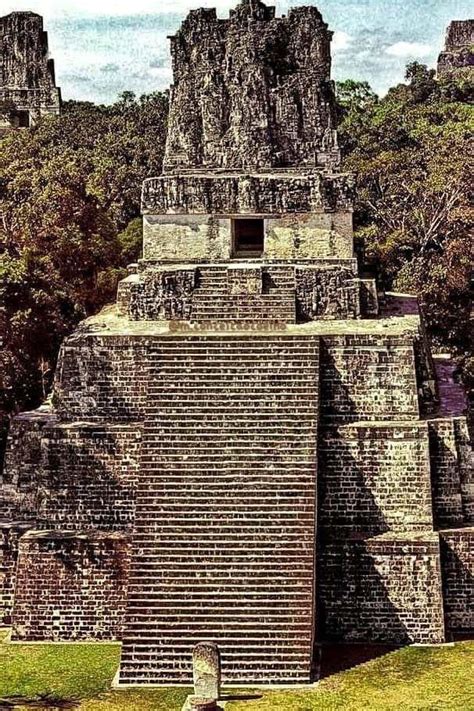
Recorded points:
(354, 98)
(411, 152)
(69, 202)
(130, 241)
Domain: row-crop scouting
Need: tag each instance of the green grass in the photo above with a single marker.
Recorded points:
(414, 678)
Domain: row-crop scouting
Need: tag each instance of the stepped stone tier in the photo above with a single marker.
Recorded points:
(27, 85)
(251, 441)
(458, 55)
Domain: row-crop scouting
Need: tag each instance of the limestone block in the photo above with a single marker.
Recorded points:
(162, 295)
(326, 294)
(457, 561)
(309, 236)
(181, 238)
(207, 670)
(70, 586)
(244, 280)
(385, 589)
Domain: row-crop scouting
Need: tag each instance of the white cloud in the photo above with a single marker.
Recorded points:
(340, 41)
(408, 49)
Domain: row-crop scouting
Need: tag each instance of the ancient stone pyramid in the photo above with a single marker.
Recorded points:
(457, 58)
(248, 448)
(27, 83)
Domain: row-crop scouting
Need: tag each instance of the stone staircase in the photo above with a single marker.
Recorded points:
(213, 301)
(224, 542)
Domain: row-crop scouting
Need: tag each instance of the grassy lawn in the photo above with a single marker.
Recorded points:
(79, 676)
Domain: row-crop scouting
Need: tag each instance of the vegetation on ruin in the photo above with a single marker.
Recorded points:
(69, 212)
(412, 154)
(69, 195)
(79, 676)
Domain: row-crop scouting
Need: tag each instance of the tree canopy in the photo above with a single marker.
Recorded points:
(412, 153)
(69, 189)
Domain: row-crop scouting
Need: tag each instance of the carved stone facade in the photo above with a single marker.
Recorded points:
(269, 434)
(27, 83)
(458, 55)
(259, 87)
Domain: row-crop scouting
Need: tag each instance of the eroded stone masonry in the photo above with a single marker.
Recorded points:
(458, 55)
(27, 83)
(250, 448)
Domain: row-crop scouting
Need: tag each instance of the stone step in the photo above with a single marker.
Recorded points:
(191, 440)
(235, 344)
(224, 478)
(235, 422)
(238, 675)
(151, 560)
(254, 639)
(152, 556)
(240, 504)
(165, 655)
(219, 470)
(221, 547)
(246, 597)
(216, 584)
(164, 422)
(246, 406)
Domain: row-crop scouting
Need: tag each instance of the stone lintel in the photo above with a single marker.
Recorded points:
(252, 194)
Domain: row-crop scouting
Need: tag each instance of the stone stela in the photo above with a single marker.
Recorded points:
(250, 449)
(206, 678)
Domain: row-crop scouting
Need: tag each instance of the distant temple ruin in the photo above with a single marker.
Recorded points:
(27, 83)
(252, 447)
(458, 55)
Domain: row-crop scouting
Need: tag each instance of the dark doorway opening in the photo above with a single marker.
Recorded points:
(22, 119)
(248, 237)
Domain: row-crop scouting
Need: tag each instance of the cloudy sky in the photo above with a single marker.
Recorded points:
(103, 47)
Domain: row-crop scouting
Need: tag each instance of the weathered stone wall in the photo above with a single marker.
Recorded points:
(70, 586)
(368, 377)
(163, 295)
(195, 238)
(374, 477)
(248, 290)
(87, 477)
(78, 476)
(310, 236)
(27, 80)
(452, 469)
(259, 88)
(382, 589)
(326, 294)
(10, 533)
(23, 457)
(182, 238)
(460, 33)
(457, 557)
(281, 193)
(102, 378)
